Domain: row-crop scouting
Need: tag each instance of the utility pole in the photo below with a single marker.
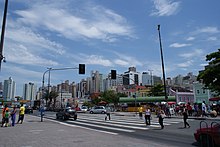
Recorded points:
(161, 53)
(3, 33)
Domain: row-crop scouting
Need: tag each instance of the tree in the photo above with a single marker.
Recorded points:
(211, 75)
(51, 97)
(157, 90)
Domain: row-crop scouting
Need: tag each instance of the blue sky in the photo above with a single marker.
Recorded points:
(105, 35)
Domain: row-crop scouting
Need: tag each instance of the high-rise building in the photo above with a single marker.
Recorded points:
(131, 77)
(9, 90)
(147, 79)
(29, 91)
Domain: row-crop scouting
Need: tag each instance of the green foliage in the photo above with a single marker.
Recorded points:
(111, 96)
(157, 90)
(211, 75)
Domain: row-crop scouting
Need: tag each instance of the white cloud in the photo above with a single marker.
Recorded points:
(97, 22)
(208, 30)
(165, 7)
(178, 45)
(185, 64)
(22, 35)
(204, 64)
(94, 60)
(126, 58)
(192, 54)
(121, 62)
(212, 39)
(21, 55)
(190, 38)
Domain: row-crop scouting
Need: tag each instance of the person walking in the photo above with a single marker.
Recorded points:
(108, 115)
(13, 116)
(185, 117)
(204, 109)
(161, 118)
(3, 114)
(21, 114)
(6, 118)
(140, 109)
(147, 116)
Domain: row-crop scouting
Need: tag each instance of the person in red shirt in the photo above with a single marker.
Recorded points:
(3, 114)
(189, 109)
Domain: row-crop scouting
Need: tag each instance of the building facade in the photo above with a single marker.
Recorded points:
(9, 90)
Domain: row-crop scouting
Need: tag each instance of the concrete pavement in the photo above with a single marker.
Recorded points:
(51, 133)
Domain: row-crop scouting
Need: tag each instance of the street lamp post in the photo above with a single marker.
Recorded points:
(161, 53)
(3, 32)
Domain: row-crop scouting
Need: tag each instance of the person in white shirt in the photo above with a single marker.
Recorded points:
(147, 116)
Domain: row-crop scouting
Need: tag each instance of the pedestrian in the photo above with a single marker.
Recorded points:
(21, 114)
(3, 114)
(161, 118)
(147, 116)
(204, 109)
(6, 118)
(13, 116)
(107, 114)
(185, 117)
(140, 109)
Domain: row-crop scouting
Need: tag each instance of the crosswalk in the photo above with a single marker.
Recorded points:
(117, 123)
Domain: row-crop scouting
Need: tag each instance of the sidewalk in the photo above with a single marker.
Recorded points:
(50, 133)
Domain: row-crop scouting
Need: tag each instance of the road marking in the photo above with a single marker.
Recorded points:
(72, 125)
(104, 127)
(107, 132)
(114, 124)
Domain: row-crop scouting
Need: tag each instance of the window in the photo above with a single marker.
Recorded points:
(197, 91)
(180, 98)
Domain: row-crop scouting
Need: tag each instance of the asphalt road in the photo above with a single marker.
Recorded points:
(52, 132)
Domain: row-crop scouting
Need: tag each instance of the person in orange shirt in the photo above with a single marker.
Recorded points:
(3, 114)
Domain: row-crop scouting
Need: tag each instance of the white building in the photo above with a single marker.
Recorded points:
(29, 91)
(9, 90)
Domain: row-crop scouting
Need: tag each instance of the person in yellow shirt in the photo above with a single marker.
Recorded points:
(21, 114)
(140, 109)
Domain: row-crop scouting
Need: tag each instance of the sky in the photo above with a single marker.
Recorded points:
(106, 35)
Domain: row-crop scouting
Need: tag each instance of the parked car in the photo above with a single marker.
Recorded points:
(98, 109)
(66, 113)
(208, 136)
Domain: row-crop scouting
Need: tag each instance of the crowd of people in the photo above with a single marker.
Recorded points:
(9, 116)
(183, 110)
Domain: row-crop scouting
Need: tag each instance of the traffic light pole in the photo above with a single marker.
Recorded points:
(42, 88)
(135, 96)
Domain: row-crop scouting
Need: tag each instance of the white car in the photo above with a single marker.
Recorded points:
(98, 109)
(84, 108)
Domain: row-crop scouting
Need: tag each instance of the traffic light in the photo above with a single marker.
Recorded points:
(81, 68)
(113, 74)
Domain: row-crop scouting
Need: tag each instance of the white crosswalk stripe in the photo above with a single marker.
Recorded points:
(119, 123)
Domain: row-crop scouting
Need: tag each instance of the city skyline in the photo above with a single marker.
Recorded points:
(106, 35)
(144, 78)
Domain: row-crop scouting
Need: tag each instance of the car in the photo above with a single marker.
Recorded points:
(98, 109)
(84, 108)
(66, 113)
(28, 110)
(208, 136)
